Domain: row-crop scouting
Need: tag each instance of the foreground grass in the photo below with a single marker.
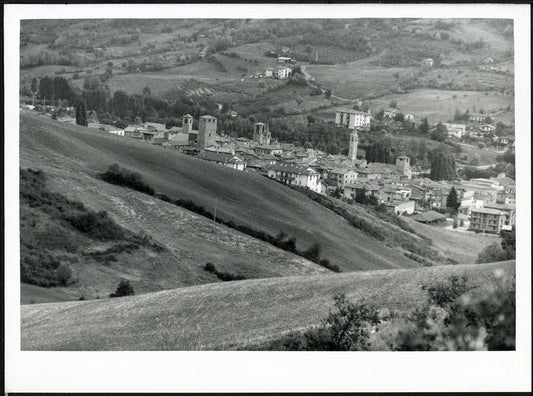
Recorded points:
(227, 315)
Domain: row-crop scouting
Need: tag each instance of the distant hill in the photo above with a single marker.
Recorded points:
(77, 154)
(229, 315)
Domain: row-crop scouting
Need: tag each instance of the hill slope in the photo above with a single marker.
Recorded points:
(228, 315)
(187, 242)
(244, 198)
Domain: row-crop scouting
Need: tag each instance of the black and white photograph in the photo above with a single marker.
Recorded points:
(264, 179)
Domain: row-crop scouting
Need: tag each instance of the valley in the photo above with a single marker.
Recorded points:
(267, 166)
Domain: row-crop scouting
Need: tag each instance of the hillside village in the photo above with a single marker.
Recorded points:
(260, 172)
(485, 205)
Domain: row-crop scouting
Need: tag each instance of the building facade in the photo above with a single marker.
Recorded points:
(487, 220)
(352, 119)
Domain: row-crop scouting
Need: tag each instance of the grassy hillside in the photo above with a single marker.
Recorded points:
(460, 246)
(244, 198)
(189, 242)
(229, 315)
(440, 105)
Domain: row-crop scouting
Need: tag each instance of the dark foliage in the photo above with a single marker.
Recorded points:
(347, 328)
(124, 289)
(96, 224)
(124, 177)
(223, 276)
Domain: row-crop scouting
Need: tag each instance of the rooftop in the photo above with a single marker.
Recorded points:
(488, 211)
(500, 206)
(351, 111)
(426, 217)
(292, 168)
(219, 157)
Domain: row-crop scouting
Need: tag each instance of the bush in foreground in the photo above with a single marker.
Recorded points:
(451, 319)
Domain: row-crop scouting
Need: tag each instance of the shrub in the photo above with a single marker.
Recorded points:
(124, 177)
(326, 264)
(492, 253)
(313, 253)
(64, 273)
(124, 289)
(346, 329)
(223, 276)
(98, 225)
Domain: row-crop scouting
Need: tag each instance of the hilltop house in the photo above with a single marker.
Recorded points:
(296, 175)
(283, 72)
(478, 118)
(487, 128)
(352, 119)
(284, 59)
(390, 113)
(409, 117)
(428, 62)
(455, 130)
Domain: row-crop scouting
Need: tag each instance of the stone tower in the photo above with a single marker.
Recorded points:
(207, 131)
(187, 123)
(261, 133)
(402, 164)
(354, 142)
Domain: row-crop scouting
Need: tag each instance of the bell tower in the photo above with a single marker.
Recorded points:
(354, 142)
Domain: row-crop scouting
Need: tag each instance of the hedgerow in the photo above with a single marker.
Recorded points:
(282, 240)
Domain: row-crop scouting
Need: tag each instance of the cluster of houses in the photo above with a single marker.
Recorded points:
(479, 127)
(281, 71)
(486, 205)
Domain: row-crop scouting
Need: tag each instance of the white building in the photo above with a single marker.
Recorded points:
(295, 175)
(283, 72)
(352, 119)
(455, 130)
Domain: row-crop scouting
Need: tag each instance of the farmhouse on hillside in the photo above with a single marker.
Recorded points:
(455, 130)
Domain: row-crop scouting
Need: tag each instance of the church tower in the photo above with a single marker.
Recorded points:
(402, 164)
(354, 142)
(187, 123)
(261, 133)
(207, 131)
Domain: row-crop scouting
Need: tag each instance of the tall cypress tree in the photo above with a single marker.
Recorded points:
(452, 200)
(442, 167)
